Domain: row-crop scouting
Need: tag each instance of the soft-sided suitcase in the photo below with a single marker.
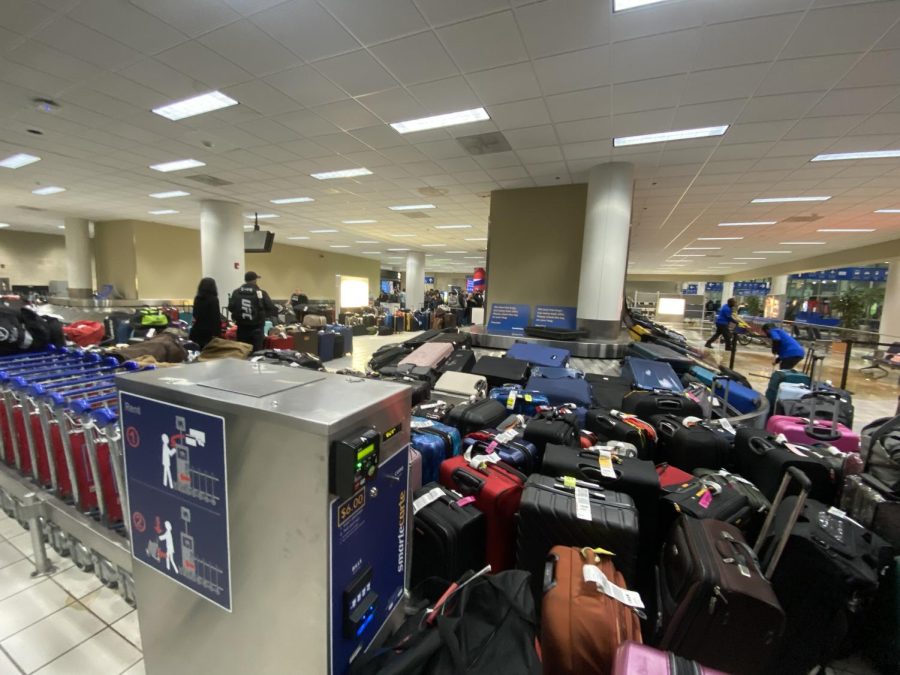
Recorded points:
(415, 469)
(459, 340)
(560, 391)
(500, 371)
(608, 390)
(497, 489)
(518, 453)
(702, 498)
(881, 451)
(519, 401)
(448, 535)
(543, 430)
(288, 357)
(648, 404)
(436, 442)
(421, 389)
(633, 658)
(652, 375)
(611, 425)
(700, 445)
(656, 352)
(460, 361)
(422, 338)
(581, 625)
(475, 416)
(869, 502)
(430, 354)
(385, 330)
(736, 395)
(791, 391)
(274, 342)
(759, 504)
(538, 355)
(553, 513)
(779, 376)
(436, 410)
(804, 430)
(388, 355)
(461, 384)
(821, 404)
(716, 605)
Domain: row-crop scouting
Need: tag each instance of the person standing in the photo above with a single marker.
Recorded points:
(788, 352)
(724, 329)
(249, 307)
(207, 315)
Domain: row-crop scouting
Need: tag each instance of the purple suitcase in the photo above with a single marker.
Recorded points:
(799, 430)
(430, 355)
(633, 658)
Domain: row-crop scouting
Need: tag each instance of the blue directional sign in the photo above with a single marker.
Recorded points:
(509, 317)
(175, 471)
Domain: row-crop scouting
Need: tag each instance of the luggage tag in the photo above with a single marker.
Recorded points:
(428, 498)
(582, 504)
(605, 461)
(594, 575)
(420, 424)
(478, 461)
(511, 400)
(505, 437)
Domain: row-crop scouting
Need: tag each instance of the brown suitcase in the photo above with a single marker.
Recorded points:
(581, 627)
(306, 341)
(450, 320)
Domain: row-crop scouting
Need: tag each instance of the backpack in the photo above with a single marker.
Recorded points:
(44, 330)
(246, 306)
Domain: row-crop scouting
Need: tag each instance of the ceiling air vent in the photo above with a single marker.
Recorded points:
(484, 144)
(206, 179)
(803, 219)
(415, 214)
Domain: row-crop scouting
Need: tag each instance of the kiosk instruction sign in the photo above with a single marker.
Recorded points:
(175, 471)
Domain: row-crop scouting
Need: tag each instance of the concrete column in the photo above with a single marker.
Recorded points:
(727, 290)
(890, 313)
(415, 280)
(604, 250)
(779, 285)
(222, 245)
(79, 258)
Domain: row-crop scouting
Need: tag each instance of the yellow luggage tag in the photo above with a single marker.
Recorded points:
(511, 401)
(604, 459)
(569, 481)
(603, 551)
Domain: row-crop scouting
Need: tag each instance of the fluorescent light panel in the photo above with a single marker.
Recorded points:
(785, 200)
(196, 105)
(4, 225)
(177, 165)
(773, 251)
(411, 207)
(689, 255)
(404, 236)
(749, 258)
(396, 250)
(700, 248)
(621, 5)
(888, 211)
(366, 241)
(262, 216)
(455, 251)
(801, 243)
(846, 229)
(719, 238)
(749, 223)
(49, 190)
(19, 160)
(477, 239)
(372, 252)
(297, 238)
(432, 245)
(664, 136)
(162, 212)
(440, 121)
(452, 227)
(169, 194)
(292, 200)
(339, 246)
(358, 222)
(344, 173)
(322, 231)
(837, 156)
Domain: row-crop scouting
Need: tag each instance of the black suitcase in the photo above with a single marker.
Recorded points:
(460, 361)
(457, 339)
(549, 516)
(704, 499)
(499, 371)
(545, 430)
(646, 404)
(389, 355)
(423, 337)
(421, 389)
(385, 330)
(762, 460)
(608, 427)
(609, 390)
(476, 416)
(448, 539)
(821, 403)
(433, 410)
(701, 445)
(759, 505)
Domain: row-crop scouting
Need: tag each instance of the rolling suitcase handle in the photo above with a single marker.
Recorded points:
(805, 485)
(824, 433)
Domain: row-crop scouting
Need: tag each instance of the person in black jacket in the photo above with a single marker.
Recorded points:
(249, 307)
(207, 316)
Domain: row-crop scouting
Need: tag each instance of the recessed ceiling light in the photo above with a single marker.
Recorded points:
(4, 225)
(322, 231)
(162, 212)
(664, 136)
(292, 200)
(477, 239)
(700, 248)
(749, 258)
(177, 165)
(297, 238)
(749, 223)
(452, 227)
(472, 257)
(432, 245)
(440, 121)
(888, 211)
(358, 222)
(49, 190)
(344, 173)
(773, 251)
(802, 243)
(372, 252)
(397, 250)
(620, 5)
(170, 194)
(719, 238)
(411, 207)
(338, 246)
(404, 236)
(846, 229)
(19, 160)
(455, 251)
(366, 241)
(875, 154)
(261, 216)
(784, 200)
(196, 105)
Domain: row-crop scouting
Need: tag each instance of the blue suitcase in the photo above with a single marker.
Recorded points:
(780, 376)
(563, 390)
(652, 375)
(519, 453)
(655, 352)
(347, 333)
(557, 373)
(741, 398)
(435, 442)
(519, 401)
(537, 355)
(326, 345)
(703, 375)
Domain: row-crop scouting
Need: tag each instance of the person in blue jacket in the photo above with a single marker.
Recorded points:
(724, 329)
(788, 352)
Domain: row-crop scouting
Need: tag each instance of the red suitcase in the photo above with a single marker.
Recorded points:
(497, 489)
(273, 342)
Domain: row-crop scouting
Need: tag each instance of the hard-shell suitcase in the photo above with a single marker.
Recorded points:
(582, 626)
(327, 343)
(804, 430)
(791, 391)
(647, 404)
(553, 514)
(460, 361)
(500, 371)
(347, 333)
(611, 425)
(307, 341)
(653, 375)
(656, 352)
(448, 535)
(736, 395)
(560, 391)
(700, 445)
(518, 453)
(415, 469)
(633, 658)
(780, 376)
(519, 401)
(497, 489)
(461, 384)
(436, 442)
(475, 416)
(538, 355)
(609, 391)
(431, 354)
(557, 373)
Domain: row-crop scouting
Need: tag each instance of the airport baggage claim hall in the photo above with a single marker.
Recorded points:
(345, 337)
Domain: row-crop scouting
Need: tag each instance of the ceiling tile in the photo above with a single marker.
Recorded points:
(505, 84)
(262, 97)
(782, 107)
(161, 78)
(593, 150)
(343, 143)
(248, 7)
(876, 68)
(373, 22)
(721, 84)
(347, 114)
(418, 58)
(250, 48)
(204, 64)
(89, 45)
(812, 74)
(823, 127)
(127, 24)
(447, 95)
(484, 43)
(442, 149)
(306, 149)
(23, 16)
(439, 12)
(308, 123)
(707, 114)
(556, 26)
(520, 114)
(393, 105)
(191, 18)
(882, 123)
(747, 41)
(550, 153)
(662, 92)
(860, 26)
(647, 122)
(584, 130)
(857, 101)
(533, 137)
(569, 72)
(663, 18)
(672, 53)
(306, 85)
(357, 73)
(306, 29)
(580, 104)
(379, 136)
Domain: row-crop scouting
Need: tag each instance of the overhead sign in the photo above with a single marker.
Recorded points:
(845, 274)
(470, 284)
(553, 316)
(689, 289)
(509, 317)
(760, 288)
(714, 287)
(175, 471)
(429, 280)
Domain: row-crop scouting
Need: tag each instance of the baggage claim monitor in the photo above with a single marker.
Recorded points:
(280, 543)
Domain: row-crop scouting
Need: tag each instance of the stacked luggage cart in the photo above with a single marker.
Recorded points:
(62, 476)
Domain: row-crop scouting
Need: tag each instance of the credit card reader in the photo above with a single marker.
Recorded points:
(354, 462)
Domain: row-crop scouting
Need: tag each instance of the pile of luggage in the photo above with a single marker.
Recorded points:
(641, 514)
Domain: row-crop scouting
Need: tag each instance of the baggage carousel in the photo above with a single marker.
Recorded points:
(590, 348)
